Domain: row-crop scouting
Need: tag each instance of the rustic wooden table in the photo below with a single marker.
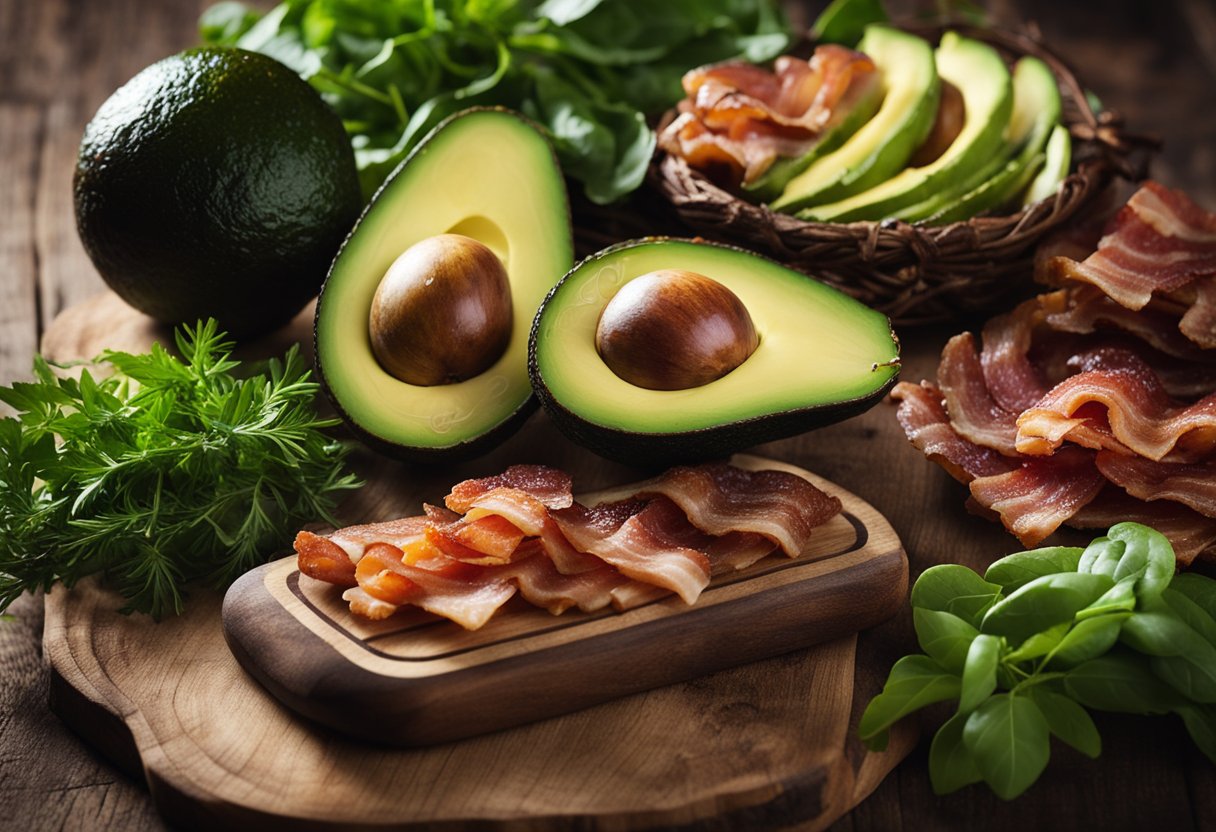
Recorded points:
(59, 59)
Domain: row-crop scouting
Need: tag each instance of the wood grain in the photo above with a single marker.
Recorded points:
(1152, 61)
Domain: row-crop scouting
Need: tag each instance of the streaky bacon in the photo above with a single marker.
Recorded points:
(1192, 535)
(1199, 322)
(1142, 419)
(1191, 483)
(368, 606)
(922, 414)
(974, 414)
(742, 117)
(721, 498)
(527, 513)
(1013, 381)
(1041, 494)
(354, 539)
(551, 487)
(319, 557)
(637, 538)
(1085, 310)
(1157, 243)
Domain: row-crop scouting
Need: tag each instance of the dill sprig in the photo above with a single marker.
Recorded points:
(160, 471)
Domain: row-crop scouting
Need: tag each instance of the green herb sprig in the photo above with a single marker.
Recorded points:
(160, 471)
(588, 71)
(1043, 636)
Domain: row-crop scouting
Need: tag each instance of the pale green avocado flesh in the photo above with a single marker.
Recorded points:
(486, 174)
(818, 350)
(984, 81)
(1036, 110)
(882, 146)
(1057, 159)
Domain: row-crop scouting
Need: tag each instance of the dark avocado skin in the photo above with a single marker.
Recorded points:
(659, 450)
(216, 183)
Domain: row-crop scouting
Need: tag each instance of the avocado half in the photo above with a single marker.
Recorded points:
(488, 174)
(822, 357)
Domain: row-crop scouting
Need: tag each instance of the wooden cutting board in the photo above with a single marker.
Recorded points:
(767, 744)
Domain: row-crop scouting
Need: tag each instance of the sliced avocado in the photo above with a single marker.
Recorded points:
(881, 147)
(822, 356)
(484, 174)
(1055, 166)
(982, 77)
(853, 114)
(1036, 109)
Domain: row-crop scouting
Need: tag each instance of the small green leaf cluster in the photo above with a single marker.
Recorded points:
(588, 71)
(160, 471)
(1043, 636)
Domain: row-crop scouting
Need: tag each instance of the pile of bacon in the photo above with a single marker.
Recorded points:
(1094, 403)
(521, 531)
(739, 118)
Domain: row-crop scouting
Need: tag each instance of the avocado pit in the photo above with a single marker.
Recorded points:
(442, 313)
(673, 329)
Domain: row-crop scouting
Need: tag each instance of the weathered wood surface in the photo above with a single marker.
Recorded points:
(59, 59)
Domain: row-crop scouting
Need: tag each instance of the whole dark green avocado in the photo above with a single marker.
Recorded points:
(216, 183)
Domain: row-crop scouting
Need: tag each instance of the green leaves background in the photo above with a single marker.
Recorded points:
(1041, 637)
(589, 72)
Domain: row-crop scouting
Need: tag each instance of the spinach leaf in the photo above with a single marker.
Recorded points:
(945, 637)
(1200, 721)
(1087, 639)
(1119, 598)
(1190, 613)
(1039, 644)
(1042, 603)
(1132, 551)
(1068, 721)
(979, 672)
(951, 764)
(914, 682)
(955, 589)
(1121, 682)
(1200, 589)
(1015, 571)
(1008, 737)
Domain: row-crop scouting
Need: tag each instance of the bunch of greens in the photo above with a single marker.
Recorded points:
(587, 71)
(163, 472)
(1042, 636)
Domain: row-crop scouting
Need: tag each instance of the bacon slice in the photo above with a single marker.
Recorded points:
(974, 414)
(1190, 483)
(530, 515)
(551, 487)
(721, 498)
(1036, 498)
(1085, 310)
(319, 557)
(1013, 381)
(922, 414)
(354, 539)
(1199, 322)
(1158, 242)
(637, 538)
(1141, 417)
(742, 117)
(1192, 535)
(484, 540)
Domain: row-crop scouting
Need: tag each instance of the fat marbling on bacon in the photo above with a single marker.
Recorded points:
(1097, 402)
(669, 536)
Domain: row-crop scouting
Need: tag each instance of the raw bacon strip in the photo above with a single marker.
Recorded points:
(460, 592)
(354, 539)
(1013, 381)
(1192, 484)
(529, 515)
(922, 414)
(974, 414)
(1199, 322)
(1034, 500)
(1140, 414)
(548, 485)
(1158, 242)
(635, 538)
(721, 498)
(1192, 535)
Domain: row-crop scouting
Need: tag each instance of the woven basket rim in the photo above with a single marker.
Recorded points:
(903, 265)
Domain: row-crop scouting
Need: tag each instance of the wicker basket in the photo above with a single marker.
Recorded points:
(915, 273)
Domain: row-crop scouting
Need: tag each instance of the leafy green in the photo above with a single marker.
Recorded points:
(589, 72)
(160, 470)
(1060, 630)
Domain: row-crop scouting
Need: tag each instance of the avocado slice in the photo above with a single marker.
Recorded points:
(1036, 110)
(487, 174)
(881, 147)
(852, 115)
(822, 357)
(1057, 159)
(982, 77)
